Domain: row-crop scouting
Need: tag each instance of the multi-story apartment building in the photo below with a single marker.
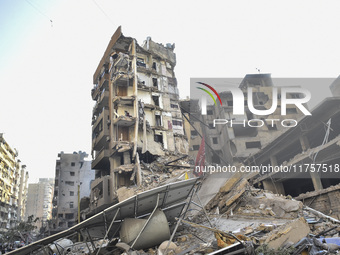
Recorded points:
(22, 193)
(136, 116)
(73, 175)
(13, 186)
(39, 201)
(249, 133)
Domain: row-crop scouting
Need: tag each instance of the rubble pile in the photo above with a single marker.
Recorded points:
(239, 219)
(270, 223)
(171, 167)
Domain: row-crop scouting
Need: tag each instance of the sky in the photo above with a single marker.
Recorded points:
(49, 50)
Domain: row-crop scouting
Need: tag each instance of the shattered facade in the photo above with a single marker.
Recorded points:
(73, 175)
(13, 186)
(193, 127)
(39, 201)
(136, 116)
(315, 140)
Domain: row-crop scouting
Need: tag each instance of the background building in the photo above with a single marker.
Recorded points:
(39, 201)
(13, 186)
(73, 171)
(136, 116)
(235, 143)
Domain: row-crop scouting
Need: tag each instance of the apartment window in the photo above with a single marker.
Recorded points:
(71, 193)
(156, 100)
(177, 122)
(158, 120)
(69, 216)
(72, 173)
(71, 204)
(209, 112)
(158, 138)
(195, 147)
(154, 66)
(73, 164)
(141, 62)
(175, 106)
(194, 132)
(69, 183)
(215, 141)
(155, 82)
(211, 126)
(251, 145)
(60, 215)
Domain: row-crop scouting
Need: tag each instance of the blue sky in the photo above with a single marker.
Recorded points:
(46, 71)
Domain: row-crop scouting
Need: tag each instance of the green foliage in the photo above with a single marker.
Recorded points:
(20, 231)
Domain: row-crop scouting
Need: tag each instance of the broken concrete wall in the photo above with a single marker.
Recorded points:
(325, 200)
(182, 145)
(161, 51)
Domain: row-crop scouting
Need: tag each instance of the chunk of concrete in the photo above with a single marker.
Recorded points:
(293, 232)
(125, 193)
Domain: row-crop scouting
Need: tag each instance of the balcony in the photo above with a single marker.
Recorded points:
(123, 100)
(102, 84)
(103, 116)
(100, 133)
(121, 146)
(101, 160)
(103, 101)
(100, 193)
(123, 78)
(124, 121)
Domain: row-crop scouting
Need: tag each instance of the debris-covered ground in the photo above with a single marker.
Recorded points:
(231, 218)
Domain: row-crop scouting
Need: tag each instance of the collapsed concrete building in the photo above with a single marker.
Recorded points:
(136, 116)
(312, 148)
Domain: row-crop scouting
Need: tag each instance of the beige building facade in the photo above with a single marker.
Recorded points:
(13, 186)
(39, 201)
(136, 115)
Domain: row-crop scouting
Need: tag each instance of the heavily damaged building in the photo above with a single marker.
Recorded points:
(311, 150)
(136, 116)
(73, 177)
(193, 127)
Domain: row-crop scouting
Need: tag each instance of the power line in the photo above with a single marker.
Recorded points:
(38, 10)
(103, 12)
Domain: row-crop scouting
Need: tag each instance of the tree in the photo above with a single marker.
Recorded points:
(21, 232)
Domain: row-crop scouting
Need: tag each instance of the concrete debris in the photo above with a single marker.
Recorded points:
(293, 232)
(238, 219)
(124, 193)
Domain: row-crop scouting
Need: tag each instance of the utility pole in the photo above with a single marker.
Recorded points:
(78, 210)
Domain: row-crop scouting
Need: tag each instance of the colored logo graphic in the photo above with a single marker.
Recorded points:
(209, 93)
